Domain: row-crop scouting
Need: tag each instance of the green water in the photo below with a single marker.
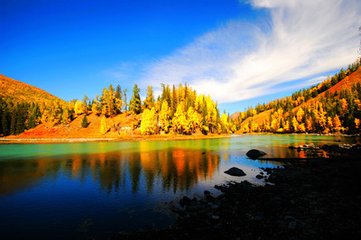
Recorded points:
(93, 190)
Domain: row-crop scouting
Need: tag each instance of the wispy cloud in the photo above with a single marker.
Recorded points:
(238, 61)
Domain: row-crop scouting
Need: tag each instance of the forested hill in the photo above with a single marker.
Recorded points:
(18, 92)
(331, 106)
(23, 106)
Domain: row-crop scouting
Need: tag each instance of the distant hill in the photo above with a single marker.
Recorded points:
(331, 106)
(22, 92)
(23, 106)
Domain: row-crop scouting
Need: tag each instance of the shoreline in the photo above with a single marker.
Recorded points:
(130, 138)
(15, 140)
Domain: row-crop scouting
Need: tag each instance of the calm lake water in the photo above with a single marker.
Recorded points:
(94, 190)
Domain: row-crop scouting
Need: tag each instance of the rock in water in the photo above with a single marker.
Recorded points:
(254, 154)
(235, 172)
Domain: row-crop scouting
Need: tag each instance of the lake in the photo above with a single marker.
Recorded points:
(96, 189)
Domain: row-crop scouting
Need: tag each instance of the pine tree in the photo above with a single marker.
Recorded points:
(84, 122)
(149, 100)
(174, 104)
(104, 102)
(13, 117)
(20, 120)
(5, 122)
(118, 99)
(125, 100)
(135, 104)
(110, 101)
(85, 104)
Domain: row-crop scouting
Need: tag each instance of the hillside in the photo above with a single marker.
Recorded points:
(23, 106)
(332, 106)
(22, 92)
(119, 126)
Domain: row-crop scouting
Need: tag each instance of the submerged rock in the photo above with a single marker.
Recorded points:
(255, 153)
(235, 172)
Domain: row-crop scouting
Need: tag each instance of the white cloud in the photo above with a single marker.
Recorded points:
(238, 61)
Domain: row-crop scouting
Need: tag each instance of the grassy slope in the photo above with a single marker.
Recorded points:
(22, 92)
(74, 129)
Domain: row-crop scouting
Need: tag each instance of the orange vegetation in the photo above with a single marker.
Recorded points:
(23, 92)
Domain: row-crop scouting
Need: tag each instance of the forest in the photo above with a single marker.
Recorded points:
(330, 107)
(178, 110)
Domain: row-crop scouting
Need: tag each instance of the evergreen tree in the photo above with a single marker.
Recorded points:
(174, 100)
(149, 100)
(125, 100)
(85, 122)
(104, 102)
(118, 99)
(20, 119)
(135, 104)
(110, 101)
(85, 104)
(13, 117)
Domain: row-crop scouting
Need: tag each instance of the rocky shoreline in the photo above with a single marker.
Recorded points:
(316, 198)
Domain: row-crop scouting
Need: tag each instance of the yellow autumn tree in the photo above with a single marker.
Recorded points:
(295, 124)
(103, 125)
(225, 124)
(194, 119)
(95, 108)
(299, 115)
(337, 124)
(148, 125)
(329, 123)
(302, 128)
(344, 105)
(357, 123)
(286, 126)
(79, 107)
(180, 121)
(164, 117)
(309, 124)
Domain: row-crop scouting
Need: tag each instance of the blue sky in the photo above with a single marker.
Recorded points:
(239, 52)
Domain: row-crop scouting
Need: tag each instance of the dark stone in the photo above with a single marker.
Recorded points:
(235, 172)
(207, 193)
(259, 176)
(254, 154)
(185, 201)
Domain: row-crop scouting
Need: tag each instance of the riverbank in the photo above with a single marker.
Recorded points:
(170, 137)
(312, 199)
(138, 137)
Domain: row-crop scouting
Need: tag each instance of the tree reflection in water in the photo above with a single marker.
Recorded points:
(171, 169)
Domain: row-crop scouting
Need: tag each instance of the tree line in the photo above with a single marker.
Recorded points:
(179, 109)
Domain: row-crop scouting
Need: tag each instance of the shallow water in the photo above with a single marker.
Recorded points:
(94, 190)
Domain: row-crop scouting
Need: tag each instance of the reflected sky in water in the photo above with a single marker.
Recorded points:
(98, 189)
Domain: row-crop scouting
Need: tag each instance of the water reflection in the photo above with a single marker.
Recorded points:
(175, 169)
